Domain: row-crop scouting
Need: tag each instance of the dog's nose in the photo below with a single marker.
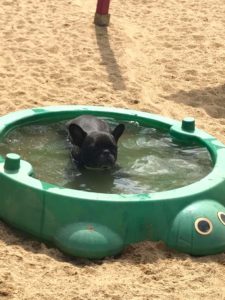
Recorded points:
(108, 157)
(106, 152)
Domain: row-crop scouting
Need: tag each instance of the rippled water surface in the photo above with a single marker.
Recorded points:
(148, 160)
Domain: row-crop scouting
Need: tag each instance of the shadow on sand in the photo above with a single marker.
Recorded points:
(211, 99)
(108, 58)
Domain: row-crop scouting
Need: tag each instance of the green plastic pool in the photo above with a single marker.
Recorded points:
(190, 219)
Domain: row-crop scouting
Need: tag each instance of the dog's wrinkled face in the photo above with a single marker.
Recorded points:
(98, 149)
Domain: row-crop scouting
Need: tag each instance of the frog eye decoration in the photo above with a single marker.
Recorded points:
(221, 216)
(204, 226)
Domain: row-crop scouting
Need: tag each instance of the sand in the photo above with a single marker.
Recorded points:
(165, 57)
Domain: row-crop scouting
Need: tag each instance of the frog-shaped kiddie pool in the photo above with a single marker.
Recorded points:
(190, 219)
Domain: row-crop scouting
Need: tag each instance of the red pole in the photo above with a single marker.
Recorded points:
(102, 13)
(103, 7)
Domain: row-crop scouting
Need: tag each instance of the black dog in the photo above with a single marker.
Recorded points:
(95, 144)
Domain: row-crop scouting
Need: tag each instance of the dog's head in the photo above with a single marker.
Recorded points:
(98, 149)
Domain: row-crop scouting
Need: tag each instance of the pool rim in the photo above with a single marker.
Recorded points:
(66, 112)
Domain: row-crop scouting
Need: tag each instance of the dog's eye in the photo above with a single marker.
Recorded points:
(113, 148)
(90, 148)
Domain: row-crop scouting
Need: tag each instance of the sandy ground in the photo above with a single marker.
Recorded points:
(164, 57)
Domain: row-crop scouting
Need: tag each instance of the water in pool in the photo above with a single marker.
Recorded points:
(148, 160)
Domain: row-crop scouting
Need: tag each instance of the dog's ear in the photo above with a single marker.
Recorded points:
(118, 131)
(77, 134)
